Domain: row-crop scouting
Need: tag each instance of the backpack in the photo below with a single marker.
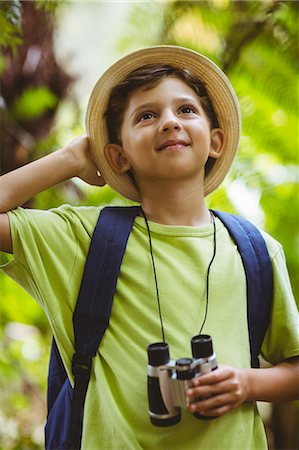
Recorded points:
(63, 429)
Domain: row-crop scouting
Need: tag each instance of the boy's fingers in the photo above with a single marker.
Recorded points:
(216, 412)
(217, 376)
(100, 179)
(215, 405)
(93, 177)
(205, 391)
(211, 390)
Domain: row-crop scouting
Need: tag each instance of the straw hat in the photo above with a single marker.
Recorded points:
(218, 86)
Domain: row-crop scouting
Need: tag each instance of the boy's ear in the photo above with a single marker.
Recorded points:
(116, 158)
(217, 143)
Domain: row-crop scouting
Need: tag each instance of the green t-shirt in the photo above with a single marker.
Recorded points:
(50, 249)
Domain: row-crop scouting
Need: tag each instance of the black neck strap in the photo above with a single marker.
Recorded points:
(156, 279)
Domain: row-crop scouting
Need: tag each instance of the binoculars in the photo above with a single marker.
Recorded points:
(168, 380)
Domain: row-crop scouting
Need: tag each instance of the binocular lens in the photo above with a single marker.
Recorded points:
(161, 414)
(185, 372)
(158, 354)
(202, 346)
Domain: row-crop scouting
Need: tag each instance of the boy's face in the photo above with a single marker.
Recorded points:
(165, 136)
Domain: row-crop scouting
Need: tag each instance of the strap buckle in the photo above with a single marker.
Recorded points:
(81, 366)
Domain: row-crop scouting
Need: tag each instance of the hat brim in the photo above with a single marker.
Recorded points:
(219, 89)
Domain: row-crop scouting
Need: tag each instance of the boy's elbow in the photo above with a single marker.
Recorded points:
(5, 201)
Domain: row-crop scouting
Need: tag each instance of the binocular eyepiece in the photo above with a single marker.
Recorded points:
(168, 380)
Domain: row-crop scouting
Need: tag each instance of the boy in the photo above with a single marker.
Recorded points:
(163, 125)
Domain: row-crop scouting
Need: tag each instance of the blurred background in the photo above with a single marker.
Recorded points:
(52, 53)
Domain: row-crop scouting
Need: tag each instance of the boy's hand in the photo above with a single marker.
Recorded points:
(218, 392)
(79, 150)
(73, 160)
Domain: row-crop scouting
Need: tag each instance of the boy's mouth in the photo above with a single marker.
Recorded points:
(173, 144)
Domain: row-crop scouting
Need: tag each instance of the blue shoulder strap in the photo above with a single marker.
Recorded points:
(259, 277)
(93, 308)
(92, 312)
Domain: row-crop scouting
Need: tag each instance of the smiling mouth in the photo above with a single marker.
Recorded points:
(173, 145)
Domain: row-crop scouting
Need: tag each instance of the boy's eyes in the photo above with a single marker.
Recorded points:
(188, 109)
(185, 109)
(145, 116)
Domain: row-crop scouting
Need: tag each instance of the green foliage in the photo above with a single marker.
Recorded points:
(11, 20)
(33, 103)
(48, 5)
(284, 200)
(10, 24)
(24, 348)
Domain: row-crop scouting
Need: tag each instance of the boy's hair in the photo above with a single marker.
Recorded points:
(148, 77)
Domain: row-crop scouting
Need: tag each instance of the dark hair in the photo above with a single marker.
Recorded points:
(149, 77)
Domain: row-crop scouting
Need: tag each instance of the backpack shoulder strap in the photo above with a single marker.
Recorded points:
(259, 277)
(93, 308)
(56, 376)
(102, 267)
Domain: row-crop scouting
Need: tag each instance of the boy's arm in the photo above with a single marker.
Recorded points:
(24, 183)
(227, 387)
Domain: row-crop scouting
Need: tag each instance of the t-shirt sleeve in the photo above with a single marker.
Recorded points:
(48, 247)
(282, 337)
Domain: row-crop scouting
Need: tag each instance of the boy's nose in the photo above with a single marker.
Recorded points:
(169, 122)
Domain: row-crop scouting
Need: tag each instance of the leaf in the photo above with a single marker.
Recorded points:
(34, 102)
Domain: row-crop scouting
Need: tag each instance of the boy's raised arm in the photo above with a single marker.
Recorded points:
(20, 185)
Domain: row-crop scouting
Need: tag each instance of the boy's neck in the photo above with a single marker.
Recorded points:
(173, 206)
